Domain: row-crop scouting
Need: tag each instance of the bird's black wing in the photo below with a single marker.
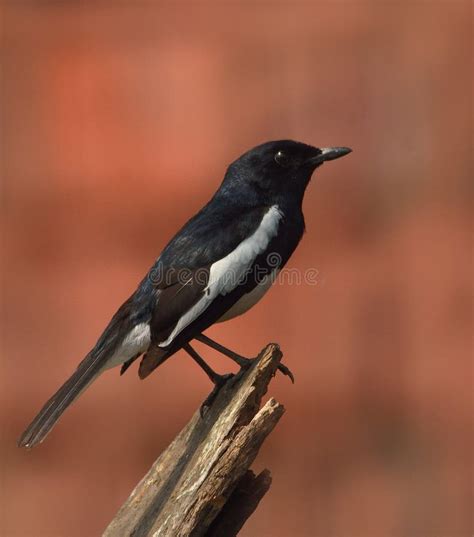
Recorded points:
(201, 274)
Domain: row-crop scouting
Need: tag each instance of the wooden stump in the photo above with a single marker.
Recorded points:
(201, 484)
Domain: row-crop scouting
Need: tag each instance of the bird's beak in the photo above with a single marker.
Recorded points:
(329, 153)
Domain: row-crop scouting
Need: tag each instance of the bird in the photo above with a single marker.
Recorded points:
(216, 267)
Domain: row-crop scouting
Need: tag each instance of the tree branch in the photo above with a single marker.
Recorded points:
(201, 484)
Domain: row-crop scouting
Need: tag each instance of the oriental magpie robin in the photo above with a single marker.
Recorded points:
(216, 267)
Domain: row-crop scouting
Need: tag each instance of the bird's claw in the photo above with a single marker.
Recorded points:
(219, 382)
(247, 362)
(286, 371)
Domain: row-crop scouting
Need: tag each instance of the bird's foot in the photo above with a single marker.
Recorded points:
(245, 363)
(219, 382)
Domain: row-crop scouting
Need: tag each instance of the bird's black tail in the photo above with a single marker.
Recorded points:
(93, 364)
(38, 429)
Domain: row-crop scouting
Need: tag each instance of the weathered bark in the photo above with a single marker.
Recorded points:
(201, 484)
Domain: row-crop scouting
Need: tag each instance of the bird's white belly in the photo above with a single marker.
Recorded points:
(249, 299)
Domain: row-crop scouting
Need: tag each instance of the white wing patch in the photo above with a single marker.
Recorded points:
(226, 274)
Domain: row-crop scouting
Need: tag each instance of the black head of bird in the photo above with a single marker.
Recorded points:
(276, 171)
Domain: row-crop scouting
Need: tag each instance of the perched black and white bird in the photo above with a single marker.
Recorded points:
(216, 267)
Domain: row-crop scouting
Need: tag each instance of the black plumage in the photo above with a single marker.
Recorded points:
(253, 219)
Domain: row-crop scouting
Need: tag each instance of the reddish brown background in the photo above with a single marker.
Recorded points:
(118, 121)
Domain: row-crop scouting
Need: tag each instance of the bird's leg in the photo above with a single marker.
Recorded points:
(213, 376)
(218, 380)
(237, 358)
(240, 360)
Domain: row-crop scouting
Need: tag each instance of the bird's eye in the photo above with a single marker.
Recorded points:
(282, 159)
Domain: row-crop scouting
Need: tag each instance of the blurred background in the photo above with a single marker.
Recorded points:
(118, 121)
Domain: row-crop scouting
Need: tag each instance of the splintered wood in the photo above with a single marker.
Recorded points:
(201, 484)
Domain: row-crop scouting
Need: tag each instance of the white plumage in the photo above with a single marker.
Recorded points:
(229, 271)
(137, 341)
(249, 299)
